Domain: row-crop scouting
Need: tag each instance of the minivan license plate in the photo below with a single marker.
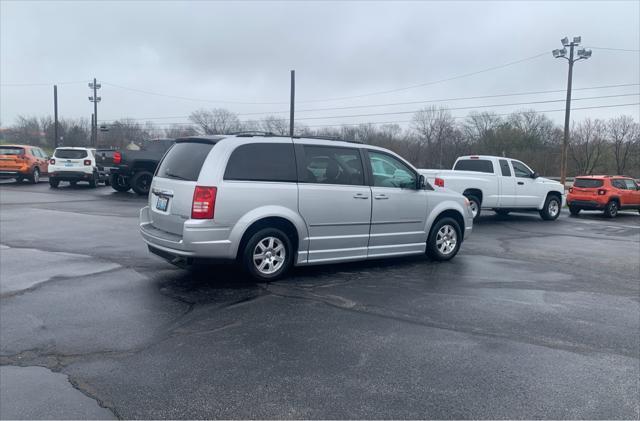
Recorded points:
(162, 204)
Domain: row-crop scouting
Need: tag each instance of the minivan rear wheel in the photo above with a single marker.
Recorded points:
(444, 239)
(267, 255)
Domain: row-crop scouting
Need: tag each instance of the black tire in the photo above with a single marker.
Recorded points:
(501, 212)
(120, 183)
(247, 257)
(53, 183)
(475, 204)
(141, 182)
(438, 232)
(34, 178)
(107, 181)
(611, 210)
(93, 182)
(574, 210)
(551, 209)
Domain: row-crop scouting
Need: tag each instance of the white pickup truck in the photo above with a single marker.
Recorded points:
(501, 184)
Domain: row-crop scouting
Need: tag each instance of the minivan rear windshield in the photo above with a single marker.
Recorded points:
(480, 165)
(8, 150)
(70, 153)
(184, 161)
(587, 183)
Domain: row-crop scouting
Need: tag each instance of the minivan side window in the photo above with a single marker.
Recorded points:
(520, 169)
(262, 162)
(331, 165)
(479, 165)
(504, 167)
(390, 172)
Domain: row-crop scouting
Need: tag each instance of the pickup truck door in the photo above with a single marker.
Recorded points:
(507, 185)
(528, 191)
(399, 210)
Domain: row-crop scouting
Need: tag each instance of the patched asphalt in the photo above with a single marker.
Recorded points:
(532, 319)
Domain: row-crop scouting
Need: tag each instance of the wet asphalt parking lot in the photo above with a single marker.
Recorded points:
(532, 319)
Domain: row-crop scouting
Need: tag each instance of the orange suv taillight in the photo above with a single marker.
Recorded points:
(602, 192)
(204, 202)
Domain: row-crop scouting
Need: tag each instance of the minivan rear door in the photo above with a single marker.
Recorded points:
(171, 194)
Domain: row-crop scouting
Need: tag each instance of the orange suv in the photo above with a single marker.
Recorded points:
(23, 162)
(609, 193)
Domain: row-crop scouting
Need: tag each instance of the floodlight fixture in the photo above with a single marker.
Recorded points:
(565, 41)
(576, 40)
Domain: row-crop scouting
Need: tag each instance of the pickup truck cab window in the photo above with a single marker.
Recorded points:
(521, 170)
(504, 167)
(390, 172)
(473, 164)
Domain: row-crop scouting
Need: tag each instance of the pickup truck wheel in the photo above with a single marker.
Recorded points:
(444, 239)
(574, 210)
(53, 183)
(611, 210)
(141, 182)
(267, 255)
(551, 209)
(120, 183)
(474, 205)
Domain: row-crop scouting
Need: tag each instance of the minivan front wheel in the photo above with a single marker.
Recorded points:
(444, 239)
(267, 255)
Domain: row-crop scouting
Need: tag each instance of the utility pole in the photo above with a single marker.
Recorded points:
(55, 116)
(293, 99)
(583, 54)
(95, 99)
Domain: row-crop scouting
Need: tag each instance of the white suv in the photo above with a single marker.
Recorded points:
(274, 202)
(73, 165)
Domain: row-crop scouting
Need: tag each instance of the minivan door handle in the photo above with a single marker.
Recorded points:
(381, 197)
(360, 196)
(521, 183)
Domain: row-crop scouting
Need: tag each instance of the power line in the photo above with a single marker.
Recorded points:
(455, 117)
(328, 99)
(458, 117)
(46, 84)
(615, 49)
(419, 85)
(468, 107)
(401, 103)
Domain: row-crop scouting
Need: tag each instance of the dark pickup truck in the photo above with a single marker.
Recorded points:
(130, 169)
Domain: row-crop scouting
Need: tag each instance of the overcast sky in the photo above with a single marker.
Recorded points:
(231, 55)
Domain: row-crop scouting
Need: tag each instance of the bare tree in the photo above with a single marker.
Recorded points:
(623, 134)
(587, 145)
(275, 125)
(433, 127)
(479, 125)
(179, 130)
(216, 121)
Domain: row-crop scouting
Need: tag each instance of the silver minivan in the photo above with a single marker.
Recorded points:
(272, 202)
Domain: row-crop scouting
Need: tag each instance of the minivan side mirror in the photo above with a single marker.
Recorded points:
(535, 175)
(421, 182)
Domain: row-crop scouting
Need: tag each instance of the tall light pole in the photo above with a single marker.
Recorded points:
(582, 55)
(95, 99)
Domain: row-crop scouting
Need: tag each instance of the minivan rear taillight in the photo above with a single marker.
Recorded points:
(204, 202)
(87, 162)
(117, 157)
(439, 182)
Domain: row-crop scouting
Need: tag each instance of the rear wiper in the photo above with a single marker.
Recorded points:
(172, 175)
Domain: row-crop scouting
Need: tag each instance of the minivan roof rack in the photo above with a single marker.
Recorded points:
(332, 138)
(251, 133)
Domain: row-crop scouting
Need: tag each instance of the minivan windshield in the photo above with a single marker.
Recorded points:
(184, 161)
(587, 183)
(70, 153)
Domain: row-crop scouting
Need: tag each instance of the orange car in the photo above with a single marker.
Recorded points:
(609, 193)
(23, 162)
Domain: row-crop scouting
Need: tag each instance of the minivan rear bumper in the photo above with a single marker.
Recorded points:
(204, 242)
